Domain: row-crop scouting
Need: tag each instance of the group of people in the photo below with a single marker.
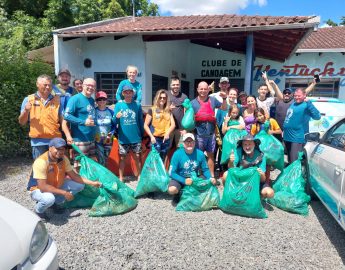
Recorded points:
(79, 115)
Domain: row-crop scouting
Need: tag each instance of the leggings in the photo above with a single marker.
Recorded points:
(292, 149)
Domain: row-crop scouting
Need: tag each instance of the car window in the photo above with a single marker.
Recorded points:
(336, 136)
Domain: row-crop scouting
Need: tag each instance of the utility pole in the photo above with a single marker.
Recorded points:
(133, 17)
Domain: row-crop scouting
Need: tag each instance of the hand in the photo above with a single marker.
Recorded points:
(96, 184)
(89, 122)
(270, 131)
(153, 140)
(226, 119)
(232, 157)
(264, 76)
(213, 181)
(172, 106)
(28, 106)
(69, 140)
(166, 137)
(223, 94)
(272, 82)
(68, 196)
(119, 114)
(260, 171)
(189, 181)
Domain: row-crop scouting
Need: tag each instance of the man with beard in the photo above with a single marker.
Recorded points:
(185, 161)
(176, 98)
(63, 89)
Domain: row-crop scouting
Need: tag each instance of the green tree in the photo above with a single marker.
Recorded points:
(342, 20)
(33, 8)
(331, 23)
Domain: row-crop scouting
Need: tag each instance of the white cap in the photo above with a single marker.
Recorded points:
(188, 135)
(224, 79)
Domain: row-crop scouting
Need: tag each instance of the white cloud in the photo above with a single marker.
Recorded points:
(199, 7)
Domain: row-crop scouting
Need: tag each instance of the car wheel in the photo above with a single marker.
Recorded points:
(306, 176)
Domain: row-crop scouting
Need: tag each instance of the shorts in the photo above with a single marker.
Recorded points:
(206, 143)
(175, 138)
(87, 148)
(176, 184)
(134, 147)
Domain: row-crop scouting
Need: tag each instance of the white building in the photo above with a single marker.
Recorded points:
(200, 48)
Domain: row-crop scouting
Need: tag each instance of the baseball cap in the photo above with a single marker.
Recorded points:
(287, 91)
(224, 79)
(241, 93)
(127, 87)
(188, 135)
(57, 142)
(101, 94)
(64, 70)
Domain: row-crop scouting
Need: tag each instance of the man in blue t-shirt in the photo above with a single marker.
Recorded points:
(128, 118)
(80, 112)
(296, 123)
(185, 161)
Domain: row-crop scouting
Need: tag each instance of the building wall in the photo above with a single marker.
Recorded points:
(189, 60)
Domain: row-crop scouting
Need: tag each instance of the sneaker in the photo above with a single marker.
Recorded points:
(57, 208)
(43, 216)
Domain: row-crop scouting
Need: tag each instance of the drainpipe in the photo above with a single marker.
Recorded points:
(249, 64)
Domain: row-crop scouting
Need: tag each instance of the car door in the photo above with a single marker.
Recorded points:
(331, 170)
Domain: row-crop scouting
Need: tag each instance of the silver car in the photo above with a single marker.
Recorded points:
(25, 242)
(325, 168)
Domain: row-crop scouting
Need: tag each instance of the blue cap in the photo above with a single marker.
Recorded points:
(127, 86)
(57, 142)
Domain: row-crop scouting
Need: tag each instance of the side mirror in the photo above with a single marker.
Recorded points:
(312, 137)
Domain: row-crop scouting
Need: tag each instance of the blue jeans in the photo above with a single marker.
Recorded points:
(162, 147)
(46, 199)
(39, 150)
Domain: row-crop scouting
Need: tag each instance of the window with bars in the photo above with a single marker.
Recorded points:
(325, 88)
(109, 82)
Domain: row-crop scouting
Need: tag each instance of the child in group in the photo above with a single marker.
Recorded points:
(132, 72)
(162, 123)
(248, 113)
(233, 119)
(128, 118)
(105, 128)
(262, 122)
(268, 124)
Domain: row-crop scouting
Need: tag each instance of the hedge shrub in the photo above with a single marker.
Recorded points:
(17, 79)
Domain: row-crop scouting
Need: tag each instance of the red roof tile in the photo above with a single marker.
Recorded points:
(173, 23)
(325, 38)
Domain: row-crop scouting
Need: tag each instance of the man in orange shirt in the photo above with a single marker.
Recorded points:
(49, 184)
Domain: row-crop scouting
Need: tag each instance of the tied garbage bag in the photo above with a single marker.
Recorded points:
(272, 148)
(114, 197)
(289, 192)
(188, 121)
(241, 194)
(232, 136)
(153, 176)
(202, 195)
(83, 199)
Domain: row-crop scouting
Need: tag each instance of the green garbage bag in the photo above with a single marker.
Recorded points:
(272, 148)
(83, 199)
(241, 194)
(202, 195)
(114, 196)
(232, 136)
(289, 189)
(153, 176)
(188, 121)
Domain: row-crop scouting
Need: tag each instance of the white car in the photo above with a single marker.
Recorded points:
(331, 109)
(25, 242)
(325, 168)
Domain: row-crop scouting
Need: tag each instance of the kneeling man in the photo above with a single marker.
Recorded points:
(49, 184)
(185, 161)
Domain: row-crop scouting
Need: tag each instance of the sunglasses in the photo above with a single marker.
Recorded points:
(162, 97)
(101, 99)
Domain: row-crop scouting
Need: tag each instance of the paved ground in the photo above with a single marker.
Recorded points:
(154, 236)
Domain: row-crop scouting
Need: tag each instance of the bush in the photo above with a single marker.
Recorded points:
(17, 80)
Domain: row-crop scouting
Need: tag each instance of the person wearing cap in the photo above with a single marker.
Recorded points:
(48, 185)
(224, 86)
(132, 72)
(185, 161)
(80, 113)
(43, 112)
(62, 88)
(249, 155)
(205, 121)
(176, 98)
(105, 128)
(128, 119)
(296, 123)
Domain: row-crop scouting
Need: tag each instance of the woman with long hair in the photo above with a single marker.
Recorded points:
(159, 123)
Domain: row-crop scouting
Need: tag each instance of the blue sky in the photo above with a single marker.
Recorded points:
(327, 9)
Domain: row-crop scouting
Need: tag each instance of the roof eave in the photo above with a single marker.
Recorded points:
(309, 24)
(324, 50)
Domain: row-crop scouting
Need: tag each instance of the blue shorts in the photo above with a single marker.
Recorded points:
(206, 143)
